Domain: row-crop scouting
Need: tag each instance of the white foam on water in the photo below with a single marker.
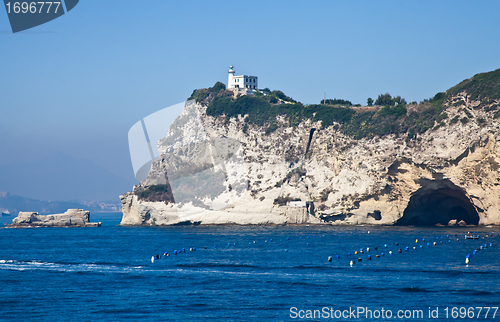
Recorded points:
(63, 267)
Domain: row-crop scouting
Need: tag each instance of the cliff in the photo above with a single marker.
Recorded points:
(407, 164)
(71, 218)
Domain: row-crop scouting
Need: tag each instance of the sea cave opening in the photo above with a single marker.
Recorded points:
(438, 202)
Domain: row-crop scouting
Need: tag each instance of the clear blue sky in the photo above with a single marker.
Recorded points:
(78, 83)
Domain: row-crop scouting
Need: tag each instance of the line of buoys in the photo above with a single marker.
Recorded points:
(361, 250)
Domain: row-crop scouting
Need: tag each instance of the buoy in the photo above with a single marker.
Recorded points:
(348, 254)
(399, 250)
(390, 252)
(165, 254)
(152, 259)
(228, 244)
(377, 255)
(361, 252)
(183, 250)
(397, 244)
(194, 248)
(414, 247)
(369, 257)
(467, 260)
(381, 254)
(288, 238)
(190, 249)
(406, 248)
(270, 240)
(337, 256)
(307, 244)
(329, 258)
(175, 252)
(421, 246)
(215, 246)
(416, 240)
(428, 244)
(385, 245)
(359, 259)
(351, 262)
(367, 249)
(434, 243)
(286, 250)
(356, 253)
(376, 248)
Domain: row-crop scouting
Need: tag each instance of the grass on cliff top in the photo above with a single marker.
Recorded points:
(480, 87)
(392, 118)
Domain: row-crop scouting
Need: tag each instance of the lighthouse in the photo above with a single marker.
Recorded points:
(248, 84)
(230, 77)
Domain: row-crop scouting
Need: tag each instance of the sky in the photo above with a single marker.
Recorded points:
(77, 84)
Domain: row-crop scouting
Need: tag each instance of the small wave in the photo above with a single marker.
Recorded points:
(205, 265)
(412, 289)
(66, 267)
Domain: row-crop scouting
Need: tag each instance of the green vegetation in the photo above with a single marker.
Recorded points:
(480, 87)
(283, 200)
(336, 102)
(390, 115)
(159, 192)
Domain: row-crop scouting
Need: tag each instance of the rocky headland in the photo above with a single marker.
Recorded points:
(266, 159)
(71, 218)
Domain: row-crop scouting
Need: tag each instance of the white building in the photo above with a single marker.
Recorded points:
(250, 83)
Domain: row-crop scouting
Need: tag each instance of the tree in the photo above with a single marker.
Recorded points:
(385, 99)
(369, 101)
(217, 87)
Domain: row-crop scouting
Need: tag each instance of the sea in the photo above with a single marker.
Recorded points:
(249, 273)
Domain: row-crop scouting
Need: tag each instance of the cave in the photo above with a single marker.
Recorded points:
(438, 202)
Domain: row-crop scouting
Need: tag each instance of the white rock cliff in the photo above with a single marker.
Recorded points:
(223, 171)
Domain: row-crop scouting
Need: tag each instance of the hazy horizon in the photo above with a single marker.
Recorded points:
(76, 85)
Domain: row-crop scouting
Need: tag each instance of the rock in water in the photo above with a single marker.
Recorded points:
(71, 218)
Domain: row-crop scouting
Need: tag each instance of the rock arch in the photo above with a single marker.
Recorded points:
(438, 202)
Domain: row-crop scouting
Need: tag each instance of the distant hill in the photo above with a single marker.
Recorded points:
(61, 177)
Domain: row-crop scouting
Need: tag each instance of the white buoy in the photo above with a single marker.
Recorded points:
(467, 260)
(351, 263)
(152, 259)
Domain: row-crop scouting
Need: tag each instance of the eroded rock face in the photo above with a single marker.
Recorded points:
(224, 171)
(71, 218)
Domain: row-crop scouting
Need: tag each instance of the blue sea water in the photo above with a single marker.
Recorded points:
(242, 273)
